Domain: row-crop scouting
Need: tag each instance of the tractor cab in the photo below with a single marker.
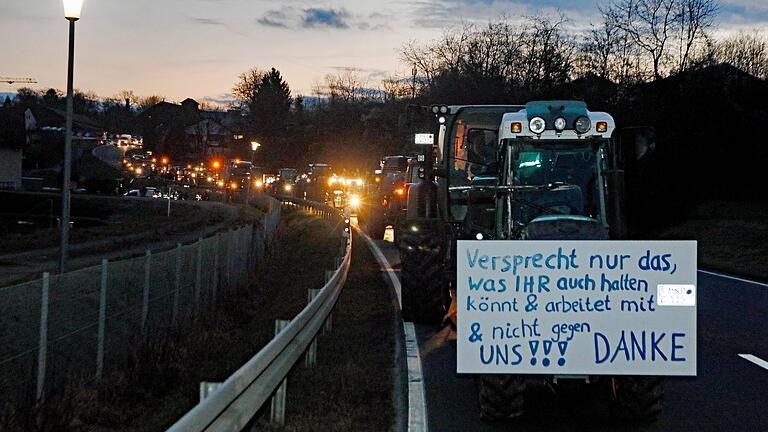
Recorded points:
(508, 168)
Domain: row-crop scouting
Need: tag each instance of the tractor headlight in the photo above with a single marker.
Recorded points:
(537, 125)
(583, 125)
(354, 201)
(560, 124)
(287, 188)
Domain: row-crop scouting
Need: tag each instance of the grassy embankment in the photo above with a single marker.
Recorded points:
(732, 237)
(159, 384)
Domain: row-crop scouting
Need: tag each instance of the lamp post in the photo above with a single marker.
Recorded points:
(72, 10)
(254, 146)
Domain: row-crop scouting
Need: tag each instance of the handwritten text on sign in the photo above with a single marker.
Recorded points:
(577, 307)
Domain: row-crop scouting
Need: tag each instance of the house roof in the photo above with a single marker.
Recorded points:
(46, 117)
(12, 133)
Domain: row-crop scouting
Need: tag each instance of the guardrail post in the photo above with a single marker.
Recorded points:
(215, 286)
(230, 255)
(176, 286)
(102, 320)
(207, 388)
(310, 358)
(277, 414)
(145, 296)
(42, 350)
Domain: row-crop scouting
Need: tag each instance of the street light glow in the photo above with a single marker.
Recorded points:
(255, 145)
(72, 9)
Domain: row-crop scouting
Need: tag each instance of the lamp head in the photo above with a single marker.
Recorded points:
(72, 9)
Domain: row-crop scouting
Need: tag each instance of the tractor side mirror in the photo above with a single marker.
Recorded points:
(636, 144)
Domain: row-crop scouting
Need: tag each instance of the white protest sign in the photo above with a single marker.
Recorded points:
(424, 139)
(576, 307)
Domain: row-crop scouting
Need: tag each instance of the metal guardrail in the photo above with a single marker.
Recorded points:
(236, 401)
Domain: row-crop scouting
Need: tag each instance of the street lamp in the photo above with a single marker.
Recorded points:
(72, 10)
(254, 146)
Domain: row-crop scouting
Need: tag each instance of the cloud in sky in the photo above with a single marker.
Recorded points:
(207, 21)
(333, 18)
(202, 49)
(290, 17)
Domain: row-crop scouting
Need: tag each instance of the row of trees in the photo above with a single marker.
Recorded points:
(635, 41)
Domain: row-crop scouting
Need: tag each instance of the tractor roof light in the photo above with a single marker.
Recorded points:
(582, 125)
(537, 125)
(602, 127)
(560, 124)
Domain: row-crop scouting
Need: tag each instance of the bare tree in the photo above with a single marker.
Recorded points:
(649, 24)
(247, 87)
(346, 86)
(746, 51)
(696, 17)
(149, 101)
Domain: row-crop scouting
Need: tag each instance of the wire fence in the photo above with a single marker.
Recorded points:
(77, 324)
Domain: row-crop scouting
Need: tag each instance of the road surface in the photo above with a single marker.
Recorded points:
(727, 395)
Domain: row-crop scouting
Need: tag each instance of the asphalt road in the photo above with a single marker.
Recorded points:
(729, 393)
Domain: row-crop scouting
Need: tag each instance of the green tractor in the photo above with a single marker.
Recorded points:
(548, 170)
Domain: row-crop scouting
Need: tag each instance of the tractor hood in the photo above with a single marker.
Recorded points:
(565, 227)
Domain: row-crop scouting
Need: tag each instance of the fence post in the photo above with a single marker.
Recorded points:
(229, 260)
(42, 351)
(198, 276)
(177, 286)
(215, 270)
(145, 297)
(310, 358)
(102, 320)
(277, 414)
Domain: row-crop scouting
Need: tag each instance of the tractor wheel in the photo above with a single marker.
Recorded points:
(422, 275)
(501, 396)
(638, 398)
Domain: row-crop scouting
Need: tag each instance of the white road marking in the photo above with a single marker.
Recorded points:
(417, 406)
(756, 360)
(734, 278)
(417, 401)
(386, 268)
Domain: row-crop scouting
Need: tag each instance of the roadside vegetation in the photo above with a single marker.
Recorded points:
(351, 387)
(732, 236)
(33, 225)
(160, 381)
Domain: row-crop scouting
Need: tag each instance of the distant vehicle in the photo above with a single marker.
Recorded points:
(314, 185)
(149, 192)
(386, 204)
(286, 181)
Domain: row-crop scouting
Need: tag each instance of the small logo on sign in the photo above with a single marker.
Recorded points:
(676, 295)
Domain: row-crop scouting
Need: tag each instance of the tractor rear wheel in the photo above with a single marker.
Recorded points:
(422, 275)
(501, 396)
(638, 398)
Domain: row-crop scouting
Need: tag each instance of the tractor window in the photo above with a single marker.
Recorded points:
(396, 164)
(575, 169)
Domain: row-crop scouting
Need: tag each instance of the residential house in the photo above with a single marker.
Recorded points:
(13, 139)
(185, 132)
